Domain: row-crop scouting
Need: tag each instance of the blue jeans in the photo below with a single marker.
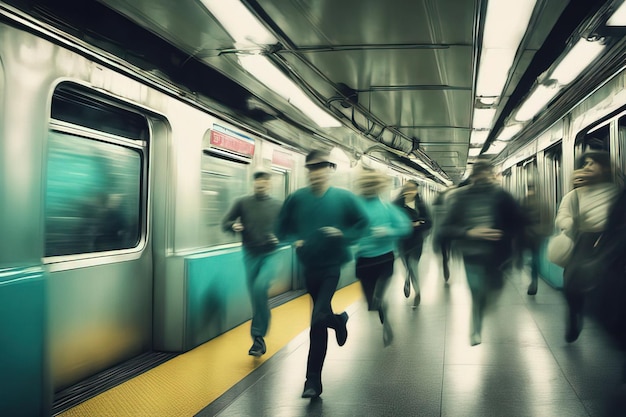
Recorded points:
(483, 279)
(260, 270)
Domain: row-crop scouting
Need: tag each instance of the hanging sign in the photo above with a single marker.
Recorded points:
(229, 140)
(282, 159)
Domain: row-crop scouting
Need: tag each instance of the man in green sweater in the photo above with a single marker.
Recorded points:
(254, 216)
(323, 221)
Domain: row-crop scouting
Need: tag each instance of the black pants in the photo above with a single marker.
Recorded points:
(375, 274)
(575, 286)
(321, 283)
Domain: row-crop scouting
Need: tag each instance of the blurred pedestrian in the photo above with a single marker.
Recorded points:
(323, 221)
(375, 253)
(583, 213)
(441, 245)
(536, 231)
(411, 247)
(254, 216)
(484, 220)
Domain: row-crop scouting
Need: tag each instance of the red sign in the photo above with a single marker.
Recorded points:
(282, 159)
(231, 141)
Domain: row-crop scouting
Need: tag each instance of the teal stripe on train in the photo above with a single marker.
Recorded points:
(216, 294)
(24, 387)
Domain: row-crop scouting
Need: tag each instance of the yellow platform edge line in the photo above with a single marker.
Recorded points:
(189, 382)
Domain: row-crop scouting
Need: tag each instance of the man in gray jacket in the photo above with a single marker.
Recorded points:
(254, 216)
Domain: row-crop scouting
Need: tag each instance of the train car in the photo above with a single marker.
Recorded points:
(113, 194)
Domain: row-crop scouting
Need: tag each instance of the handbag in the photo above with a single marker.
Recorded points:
(561, 246)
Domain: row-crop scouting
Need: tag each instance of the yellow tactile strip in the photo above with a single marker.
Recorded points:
(186, 384)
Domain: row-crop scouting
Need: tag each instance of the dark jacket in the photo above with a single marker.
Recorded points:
(258, 216)
(415, 240)
(483, 205)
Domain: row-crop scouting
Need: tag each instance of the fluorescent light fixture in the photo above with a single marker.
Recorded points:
(506, 23)
(508, 132)
(479, 137)
(619, 17)
(240, 23)
(576, 60)
(495, 148)
(473, 152)
(494, 71)
(488, 101)
(537, 100)
(483, 118)
(248, 31)
(268, 74)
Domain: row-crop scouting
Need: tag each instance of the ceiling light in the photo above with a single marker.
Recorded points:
(240, 23)
(619, 17)
(488, 101)
(509, 131)
(483, 118)
(494, 71)
(537, 100)
(248, 31)
(506, 23)
(274, 79)
(473, 152)
(479, 137)
(576, 60)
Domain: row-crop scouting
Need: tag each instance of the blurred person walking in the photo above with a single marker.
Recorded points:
(536, 231)
(484, 220)
(441, 245)
(323, 221)
(410, 248)
(375, 253)
(255, 217)
(583, 213)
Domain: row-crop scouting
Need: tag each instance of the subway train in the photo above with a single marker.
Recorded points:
(116, 177)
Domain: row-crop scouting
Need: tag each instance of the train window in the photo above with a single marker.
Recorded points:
(93, 194)
(552, 190)
(507, 179)
(279, 185)
(222, 182)
(596, 139)
(75, 105)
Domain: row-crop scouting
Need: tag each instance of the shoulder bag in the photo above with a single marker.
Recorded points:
(561, 245)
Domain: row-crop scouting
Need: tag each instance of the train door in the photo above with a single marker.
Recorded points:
(552, 189)
(97, 253)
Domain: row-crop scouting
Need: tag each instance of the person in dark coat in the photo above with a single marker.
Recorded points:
(410, 248)
(536, 231)
(484, 220)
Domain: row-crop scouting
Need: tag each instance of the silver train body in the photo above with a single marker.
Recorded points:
(112, 193)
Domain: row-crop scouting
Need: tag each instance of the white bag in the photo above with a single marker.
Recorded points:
(560, 248)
